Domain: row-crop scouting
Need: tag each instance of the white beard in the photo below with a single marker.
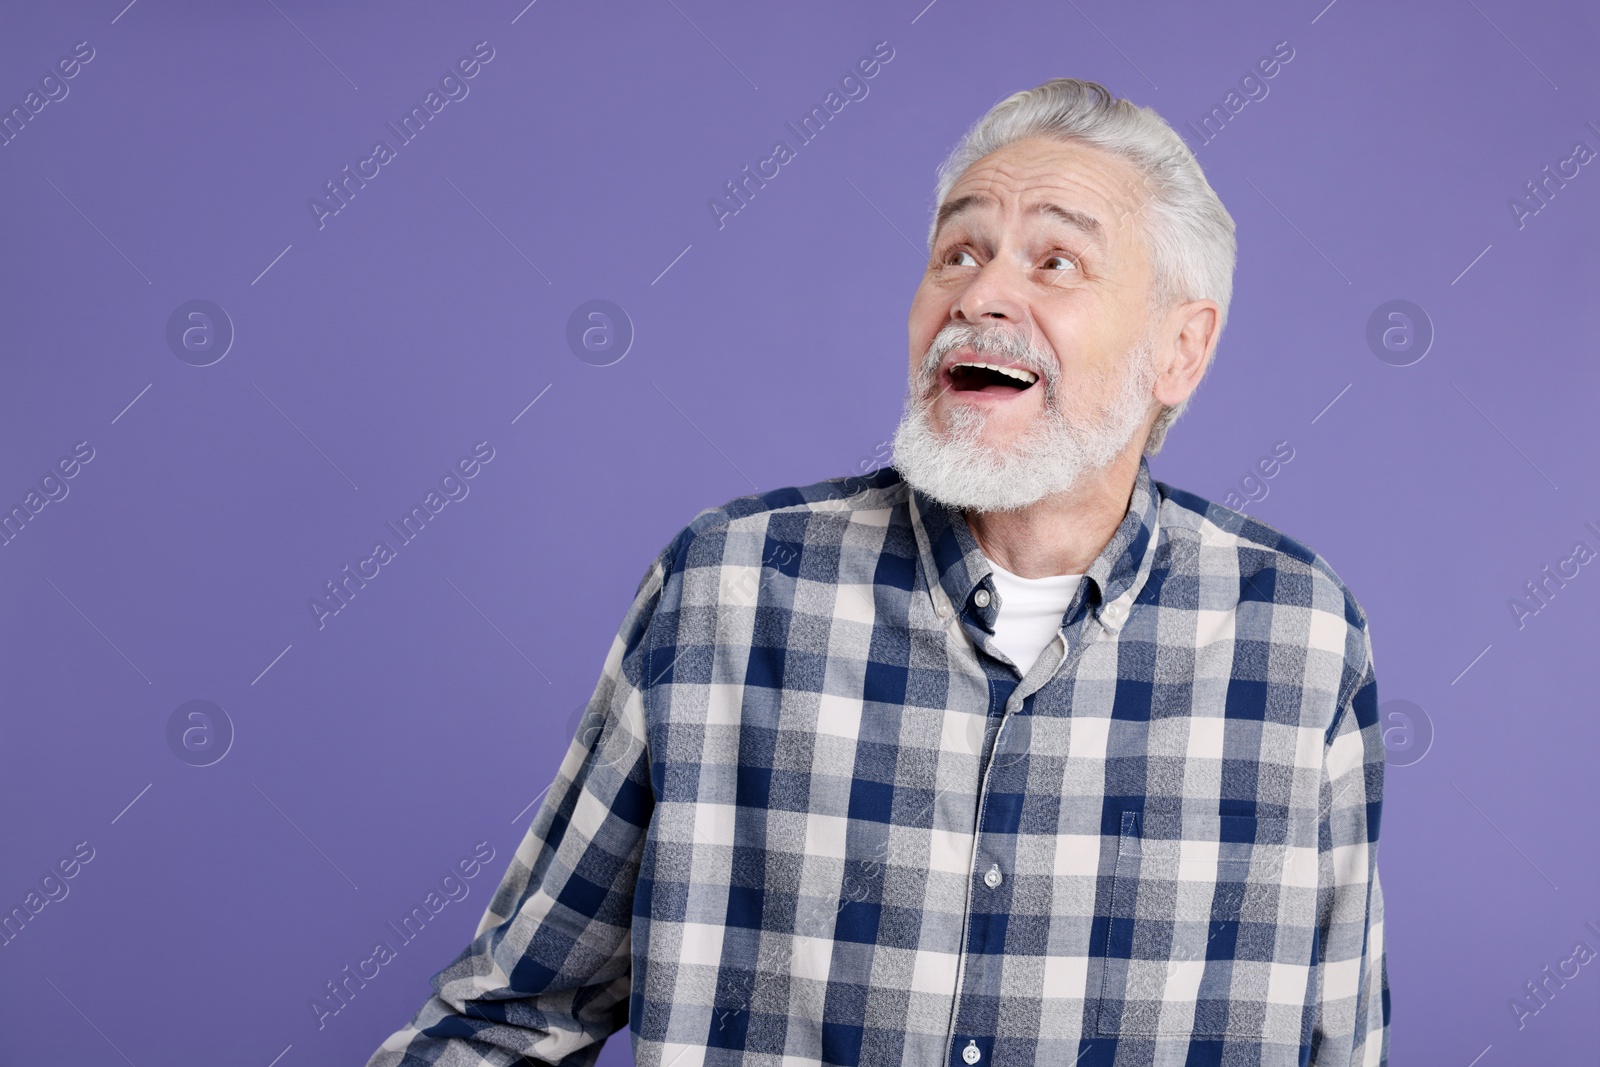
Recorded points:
(1050, 457)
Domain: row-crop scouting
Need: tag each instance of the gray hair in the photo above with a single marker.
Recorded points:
(1189, 234)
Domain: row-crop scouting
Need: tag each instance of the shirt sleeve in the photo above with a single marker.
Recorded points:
(1350, 978)
(547, 976)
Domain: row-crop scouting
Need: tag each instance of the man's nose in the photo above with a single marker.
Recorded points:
(992, 297)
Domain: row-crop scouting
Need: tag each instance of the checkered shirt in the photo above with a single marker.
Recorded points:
(814, 815)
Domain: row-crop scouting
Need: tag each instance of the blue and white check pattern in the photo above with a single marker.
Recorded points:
(823, 820)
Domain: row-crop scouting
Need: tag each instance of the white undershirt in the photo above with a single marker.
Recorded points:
(1030, 613)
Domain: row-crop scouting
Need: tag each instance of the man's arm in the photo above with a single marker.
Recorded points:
(547, 975)
(1351, 1027)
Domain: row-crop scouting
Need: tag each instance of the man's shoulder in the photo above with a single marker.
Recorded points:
(840, 501)
(1213, 538)
(880, 491)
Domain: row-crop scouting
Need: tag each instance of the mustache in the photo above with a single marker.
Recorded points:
(1015, 346)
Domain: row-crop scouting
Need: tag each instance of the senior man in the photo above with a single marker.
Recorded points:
(1006, 754)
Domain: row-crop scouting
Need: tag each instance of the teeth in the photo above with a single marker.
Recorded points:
(1011, 372)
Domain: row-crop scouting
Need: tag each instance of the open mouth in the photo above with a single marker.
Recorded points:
(973, 376)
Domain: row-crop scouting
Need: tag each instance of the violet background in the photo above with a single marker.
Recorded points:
(370, 755)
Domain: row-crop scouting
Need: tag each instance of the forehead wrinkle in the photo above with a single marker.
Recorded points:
(1078, 220)
(1020, 178)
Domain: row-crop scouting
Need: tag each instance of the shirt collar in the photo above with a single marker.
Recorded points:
(951, 554)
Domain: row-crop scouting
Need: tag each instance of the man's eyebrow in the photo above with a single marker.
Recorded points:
(1071, 217)
(1078, 220)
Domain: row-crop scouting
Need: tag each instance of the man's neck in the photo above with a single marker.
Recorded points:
(1063, 533)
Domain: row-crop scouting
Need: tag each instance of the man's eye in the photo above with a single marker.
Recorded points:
(1071, 263)
(959, 252)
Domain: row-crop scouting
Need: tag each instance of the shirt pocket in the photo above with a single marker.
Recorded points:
(1183, 940)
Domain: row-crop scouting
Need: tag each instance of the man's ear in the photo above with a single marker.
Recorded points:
(1188, 337)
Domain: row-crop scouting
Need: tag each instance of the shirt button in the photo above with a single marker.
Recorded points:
(1113, 611)
(943, 609)
(971, 1054)
(992, 880)
(981, 598)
